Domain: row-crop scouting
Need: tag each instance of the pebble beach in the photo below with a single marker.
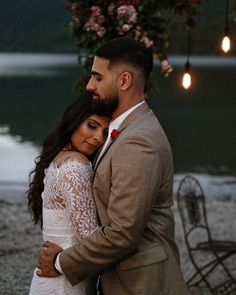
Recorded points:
(20, 239)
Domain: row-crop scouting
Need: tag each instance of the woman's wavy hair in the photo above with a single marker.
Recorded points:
(73, 116)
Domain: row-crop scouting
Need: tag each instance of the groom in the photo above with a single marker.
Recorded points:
(134, 249)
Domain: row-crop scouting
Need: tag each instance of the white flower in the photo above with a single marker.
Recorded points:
(126, 27)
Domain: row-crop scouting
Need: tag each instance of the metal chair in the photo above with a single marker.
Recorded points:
(198, 238)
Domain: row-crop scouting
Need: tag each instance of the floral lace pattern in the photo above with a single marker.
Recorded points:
(69, 214)
(68, 187)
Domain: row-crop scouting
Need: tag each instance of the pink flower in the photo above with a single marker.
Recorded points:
(166, 68)
(147, 42)
(96, 10)
(95, 21)
(127, 12)
(114, 134)
(101, 31)
(111, 8)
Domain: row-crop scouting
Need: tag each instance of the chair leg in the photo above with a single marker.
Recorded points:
(202, 279)
(226, 269)
(229, 286)
(200, 269)
(203, 276)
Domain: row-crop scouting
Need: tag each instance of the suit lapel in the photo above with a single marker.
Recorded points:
(142, 109)
(107, 147)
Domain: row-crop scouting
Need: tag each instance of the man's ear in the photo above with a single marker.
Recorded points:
(125, 80)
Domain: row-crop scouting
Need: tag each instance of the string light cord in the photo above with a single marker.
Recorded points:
(187, 64)
(226, 18)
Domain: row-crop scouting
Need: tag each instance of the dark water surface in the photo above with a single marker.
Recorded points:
(200, 123)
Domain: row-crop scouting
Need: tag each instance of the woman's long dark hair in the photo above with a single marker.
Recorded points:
(73, 116)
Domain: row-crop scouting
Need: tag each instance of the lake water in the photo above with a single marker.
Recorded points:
(200, 123)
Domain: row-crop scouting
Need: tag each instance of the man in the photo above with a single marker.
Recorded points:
(133, 250)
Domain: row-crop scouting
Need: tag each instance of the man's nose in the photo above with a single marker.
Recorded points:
(90, 85)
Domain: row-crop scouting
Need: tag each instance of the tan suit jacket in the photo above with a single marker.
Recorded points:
(134, 249)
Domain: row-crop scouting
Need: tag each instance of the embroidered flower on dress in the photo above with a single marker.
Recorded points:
(114, 133)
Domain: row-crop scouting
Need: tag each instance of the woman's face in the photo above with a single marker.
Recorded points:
(90, 135)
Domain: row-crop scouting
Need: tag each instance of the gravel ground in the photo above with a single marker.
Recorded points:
(20, 241)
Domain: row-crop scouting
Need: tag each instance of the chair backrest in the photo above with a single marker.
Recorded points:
(191, 204)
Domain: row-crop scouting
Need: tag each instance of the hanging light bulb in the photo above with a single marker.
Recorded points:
(225, 44)
(187, 80)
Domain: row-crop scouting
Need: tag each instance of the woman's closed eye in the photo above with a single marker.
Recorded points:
(91, 125)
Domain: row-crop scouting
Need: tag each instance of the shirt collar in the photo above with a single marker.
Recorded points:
(117, 122)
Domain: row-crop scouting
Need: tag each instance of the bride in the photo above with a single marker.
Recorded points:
(60, 193)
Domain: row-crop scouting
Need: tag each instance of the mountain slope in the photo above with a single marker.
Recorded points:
(40, 26)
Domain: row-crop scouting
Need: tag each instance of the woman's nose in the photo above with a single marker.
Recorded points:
(99, 137)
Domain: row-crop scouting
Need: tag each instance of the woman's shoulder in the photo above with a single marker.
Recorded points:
(65, 157)
(77, 156)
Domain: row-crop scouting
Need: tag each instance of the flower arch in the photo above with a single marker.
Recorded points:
(147, 21)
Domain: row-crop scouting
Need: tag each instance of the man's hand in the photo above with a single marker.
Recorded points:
(46, 260)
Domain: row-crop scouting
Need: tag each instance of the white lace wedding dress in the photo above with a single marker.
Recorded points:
(68, 214)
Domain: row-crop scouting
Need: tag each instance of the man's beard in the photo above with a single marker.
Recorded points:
(105, 107)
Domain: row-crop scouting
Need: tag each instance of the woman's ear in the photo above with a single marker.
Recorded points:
(125, 80)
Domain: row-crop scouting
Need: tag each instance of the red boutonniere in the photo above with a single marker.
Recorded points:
(114, 134)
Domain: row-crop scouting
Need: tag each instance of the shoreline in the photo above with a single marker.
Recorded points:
(20, 239)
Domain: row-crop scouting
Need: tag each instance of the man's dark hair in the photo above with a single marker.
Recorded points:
(126, 50)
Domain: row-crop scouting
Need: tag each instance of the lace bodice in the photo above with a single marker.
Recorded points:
(68, 193)
(68, 215)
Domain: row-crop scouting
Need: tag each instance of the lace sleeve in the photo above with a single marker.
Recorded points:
(75, 181)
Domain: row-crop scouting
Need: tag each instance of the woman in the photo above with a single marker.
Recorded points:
(60, 194)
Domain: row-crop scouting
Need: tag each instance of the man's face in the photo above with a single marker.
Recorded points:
(103, 85)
